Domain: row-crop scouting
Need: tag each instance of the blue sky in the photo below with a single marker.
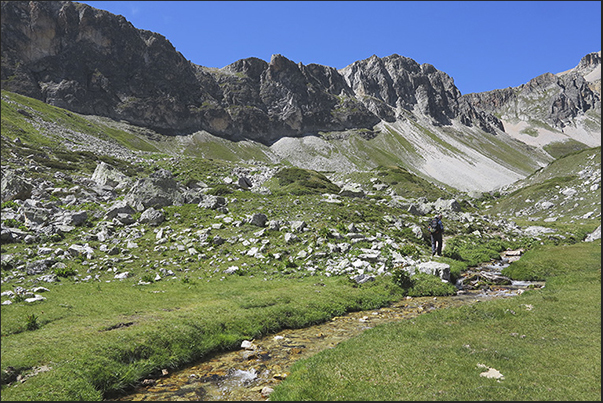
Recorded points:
(482, 45)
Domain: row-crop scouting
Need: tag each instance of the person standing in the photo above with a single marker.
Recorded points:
(436, 230)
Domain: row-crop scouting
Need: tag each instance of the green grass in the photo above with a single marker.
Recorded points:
(220, 149)
(298, 181)
(102, 336)
(547, 184)
(15, 124)
(561, 148)
(407, 184)
(96, 348)
(473, 250)
(546, 343)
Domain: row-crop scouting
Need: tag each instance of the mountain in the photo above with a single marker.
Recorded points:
(551, 107)
(387, 111)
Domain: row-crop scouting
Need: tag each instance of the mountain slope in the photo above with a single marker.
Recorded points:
(567, 190)
(551, 108)
(377, 111)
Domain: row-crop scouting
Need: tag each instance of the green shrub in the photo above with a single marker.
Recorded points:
(12, 223)
(219, 190)
(409, 250)
(341, 228)
(54, 164)
(187, 280)
(73, 157)
(325, 232)
(403, 233)
(291, 264)
(424, 284)
(64, 271)
(148, 278)
(10, 204)
(402, 278)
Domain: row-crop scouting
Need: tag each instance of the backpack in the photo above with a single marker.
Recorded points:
(433, 226)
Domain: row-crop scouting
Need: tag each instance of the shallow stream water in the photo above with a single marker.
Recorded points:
(249, 373)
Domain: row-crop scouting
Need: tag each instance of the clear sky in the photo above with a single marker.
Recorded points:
(482, 45)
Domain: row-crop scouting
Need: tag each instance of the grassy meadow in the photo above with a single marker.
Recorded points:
(96, 335)
(545, 343)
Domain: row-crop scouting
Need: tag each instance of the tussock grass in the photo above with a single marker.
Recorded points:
(546, 343)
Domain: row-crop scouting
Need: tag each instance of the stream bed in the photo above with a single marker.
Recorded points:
(251, 372)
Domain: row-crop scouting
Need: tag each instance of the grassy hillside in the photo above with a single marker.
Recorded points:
(110, 318)
(567, 190)
(543, 345)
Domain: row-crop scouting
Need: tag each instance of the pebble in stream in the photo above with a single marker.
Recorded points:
(250, 374)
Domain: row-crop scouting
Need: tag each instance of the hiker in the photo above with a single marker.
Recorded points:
(436, 229)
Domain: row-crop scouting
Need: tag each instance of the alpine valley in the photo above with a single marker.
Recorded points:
(377, 111)
(142, 193)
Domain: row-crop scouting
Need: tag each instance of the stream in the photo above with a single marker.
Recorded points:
(250, 373)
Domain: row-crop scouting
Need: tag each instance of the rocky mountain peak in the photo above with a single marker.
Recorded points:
(589, 68)
(92, 62)
(279, 63)
(394, 86)
(590, 62)
(251, 67)
(557, 100)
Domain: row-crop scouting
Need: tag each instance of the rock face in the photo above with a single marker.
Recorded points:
(553, 99)
(393, 86)
(93, 62)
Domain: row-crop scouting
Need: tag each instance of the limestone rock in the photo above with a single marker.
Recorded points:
(14, 186)
(106, 174)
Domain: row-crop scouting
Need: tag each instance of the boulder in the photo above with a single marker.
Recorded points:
(107, 175)
(352, 190)
(39, 266)
(442, 270)
(212, 202)
(446, 205)
(245, 183)
(593, 236)
(119, 207)
(259, 219)
(158, 190)
(152, 217)
(362, 278)
(15, 187)
(75, 218)
(298, 226)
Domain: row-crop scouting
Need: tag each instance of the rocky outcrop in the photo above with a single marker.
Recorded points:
(395, 86)
(93, 62)
(553, 99)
